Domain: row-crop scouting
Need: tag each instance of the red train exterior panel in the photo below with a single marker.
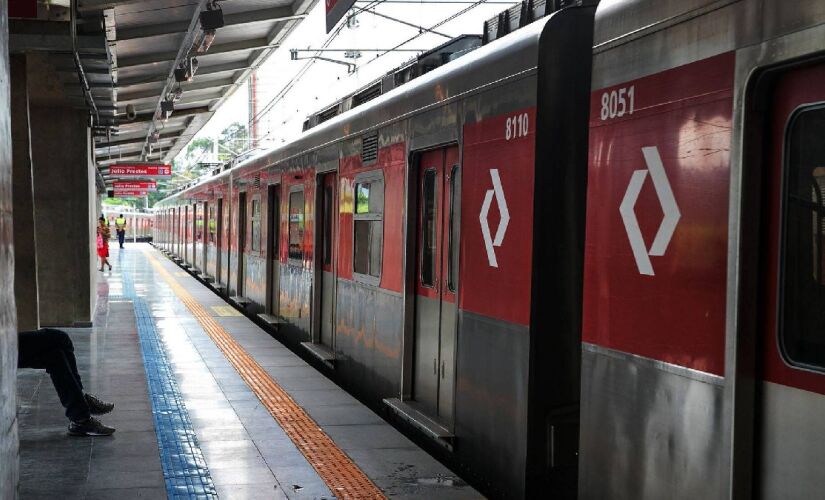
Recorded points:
(498, 171)
(658, 163)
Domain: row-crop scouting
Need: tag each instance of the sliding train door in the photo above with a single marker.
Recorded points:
(791, 393)
(273, 249)
(219, 243)
(239, 285)
(328, 214)
(436, 282)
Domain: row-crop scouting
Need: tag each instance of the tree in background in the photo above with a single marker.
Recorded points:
(201, 156)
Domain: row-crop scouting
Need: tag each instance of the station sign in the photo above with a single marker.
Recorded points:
(129, 193)
(135, 185)
(145, 170)
(336, 9)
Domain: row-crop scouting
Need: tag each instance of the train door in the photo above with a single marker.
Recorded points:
(207, 235)
(328, 213)
(436, 280)
(273, 247)
(185, 236)
(196, 235)
(219, 243)
(791, 392)
(173, 223)
(179, 223)
(241, 244)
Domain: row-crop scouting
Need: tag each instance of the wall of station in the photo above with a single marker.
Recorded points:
(8, 313)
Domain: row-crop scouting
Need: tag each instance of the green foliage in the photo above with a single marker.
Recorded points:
(119, 202)
(201, 155)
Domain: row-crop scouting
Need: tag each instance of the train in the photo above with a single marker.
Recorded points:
(579, 260)
(139, 224)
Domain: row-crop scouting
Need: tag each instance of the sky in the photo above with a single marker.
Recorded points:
(323, 83)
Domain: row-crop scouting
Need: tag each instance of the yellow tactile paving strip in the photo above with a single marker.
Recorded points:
(336, 469)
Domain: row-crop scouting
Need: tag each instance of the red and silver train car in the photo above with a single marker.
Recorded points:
(703, 355)
(402, 244)
(633, 310)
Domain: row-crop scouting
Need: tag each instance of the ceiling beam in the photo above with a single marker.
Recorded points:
(238, 19)
(56, 43)
(223, 48)
(96, 5)
(206, 70)
(187, 87)
(169, 133)
(147, 117)
(189, 100)
(117, 158)
(138, 147)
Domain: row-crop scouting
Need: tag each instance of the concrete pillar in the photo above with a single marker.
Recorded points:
(64, 208)
(8, 313)
(25, 262)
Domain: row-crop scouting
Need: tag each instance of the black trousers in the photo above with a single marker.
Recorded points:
(52, 350)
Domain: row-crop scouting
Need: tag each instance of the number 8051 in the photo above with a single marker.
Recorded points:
(618, 103)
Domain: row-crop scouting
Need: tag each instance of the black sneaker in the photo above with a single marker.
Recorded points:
(98, 407)
(90, 427)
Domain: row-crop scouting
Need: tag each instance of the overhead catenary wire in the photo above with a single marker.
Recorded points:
(301, 72)
(285, 90)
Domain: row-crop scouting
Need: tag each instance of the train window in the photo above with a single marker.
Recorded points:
(197, 210)
(428, 228)
(212, 224)
(452, 244)
(296, 225)
(328, 225)
(368, 226)
(802, 299)
(256, 223)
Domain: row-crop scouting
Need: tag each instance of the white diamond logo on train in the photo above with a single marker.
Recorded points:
(504, 212)
(666, 201)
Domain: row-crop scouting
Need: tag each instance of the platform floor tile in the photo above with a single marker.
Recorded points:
(246, 452)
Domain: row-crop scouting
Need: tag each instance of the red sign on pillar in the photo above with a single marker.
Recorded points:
(135, 185)
(126, 170)
(23, 8)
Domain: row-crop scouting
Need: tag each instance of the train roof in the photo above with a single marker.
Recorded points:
(501, 59)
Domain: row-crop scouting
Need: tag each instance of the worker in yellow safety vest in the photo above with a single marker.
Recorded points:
(213, 226)
(120, 226)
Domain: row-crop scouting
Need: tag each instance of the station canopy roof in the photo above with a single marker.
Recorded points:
(119, 60)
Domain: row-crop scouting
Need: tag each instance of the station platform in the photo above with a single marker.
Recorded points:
(208, 405)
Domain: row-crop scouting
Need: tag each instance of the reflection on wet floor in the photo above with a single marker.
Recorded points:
(247, 453)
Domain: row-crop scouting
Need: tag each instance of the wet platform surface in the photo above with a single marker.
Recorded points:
(189, 425)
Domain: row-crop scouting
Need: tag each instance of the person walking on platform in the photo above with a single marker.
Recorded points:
(52, 350)
(103, 235)
(120, 227)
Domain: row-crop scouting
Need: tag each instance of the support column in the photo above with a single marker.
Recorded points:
(8, 321)
(65, 202)
(63, 215)
(25, 263)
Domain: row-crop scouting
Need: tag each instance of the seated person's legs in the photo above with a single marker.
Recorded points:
(53, 351)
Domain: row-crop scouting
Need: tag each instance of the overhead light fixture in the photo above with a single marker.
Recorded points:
(186, 71)
(211, 19)
(166, 108)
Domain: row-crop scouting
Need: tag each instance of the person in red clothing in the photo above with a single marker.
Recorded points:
(103, 235)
